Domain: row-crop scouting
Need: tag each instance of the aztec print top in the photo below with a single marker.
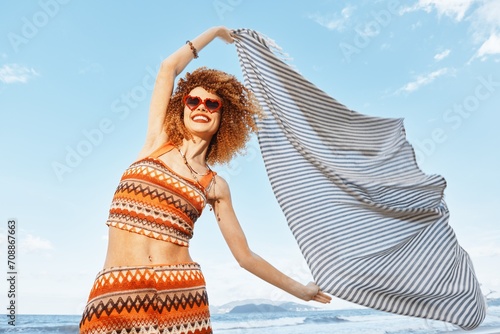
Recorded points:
(153, 200)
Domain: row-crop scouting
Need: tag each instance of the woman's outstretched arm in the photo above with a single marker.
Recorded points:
(236, 240)
(170, 68)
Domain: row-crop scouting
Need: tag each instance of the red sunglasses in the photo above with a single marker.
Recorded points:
(193, 102)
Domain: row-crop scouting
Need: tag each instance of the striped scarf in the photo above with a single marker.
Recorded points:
(371, 225)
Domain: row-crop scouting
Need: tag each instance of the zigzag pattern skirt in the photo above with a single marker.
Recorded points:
(148, 299)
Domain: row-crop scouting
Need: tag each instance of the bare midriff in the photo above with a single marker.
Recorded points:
(131, 249)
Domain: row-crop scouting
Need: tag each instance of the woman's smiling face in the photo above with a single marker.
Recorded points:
(200, 121)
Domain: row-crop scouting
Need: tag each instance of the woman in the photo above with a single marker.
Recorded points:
(150, 283)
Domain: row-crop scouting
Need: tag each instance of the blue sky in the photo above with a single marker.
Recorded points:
(75, 82)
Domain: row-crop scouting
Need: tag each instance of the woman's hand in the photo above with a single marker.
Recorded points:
(313, 292)
(225, 34)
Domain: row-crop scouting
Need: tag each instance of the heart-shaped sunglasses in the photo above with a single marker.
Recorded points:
(193, 102)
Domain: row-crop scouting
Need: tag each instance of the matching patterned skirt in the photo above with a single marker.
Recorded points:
(148, 299)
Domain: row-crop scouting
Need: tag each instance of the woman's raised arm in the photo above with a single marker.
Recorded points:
(170, 67)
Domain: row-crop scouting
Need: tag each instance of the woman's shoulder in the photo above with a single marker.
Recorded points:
(221, 187)
(154, 150)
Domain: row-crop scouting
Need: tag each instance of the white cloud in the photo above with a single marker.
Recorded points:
(32, 243)
(453, 8)
(489, 47)
(485, 19)
(417, 25)
(12, 73)
(483, 15)
(423, 80)
(486, 29)
(368, 31)
(442, 55)
(333, 21)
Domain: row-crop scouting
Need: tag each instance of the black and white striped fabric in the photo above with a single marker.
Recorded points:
(371, 225)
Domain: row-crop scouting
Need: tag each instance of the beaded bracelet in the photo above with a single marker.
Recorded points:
(195, 52)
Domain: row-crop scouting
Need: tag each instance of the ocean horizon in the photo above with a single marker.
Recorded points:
(346, 321)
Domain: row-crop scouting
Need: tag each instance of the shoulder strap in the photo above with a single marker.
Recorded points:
(162, 150)
(207, 180)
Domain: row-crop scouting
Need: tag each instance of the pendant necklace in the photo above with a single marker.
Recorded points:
(194, 173)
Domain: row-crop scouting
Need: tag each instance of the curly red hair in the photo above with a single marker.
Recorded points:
(239, 112)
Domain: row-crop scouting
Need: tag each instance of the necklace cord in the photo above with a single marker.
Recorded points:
(194, 173)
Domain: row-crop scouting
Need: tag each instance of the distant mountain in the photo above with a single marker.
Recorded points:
(266, 305)
(288, 306)
(260, 308)
(291, 306)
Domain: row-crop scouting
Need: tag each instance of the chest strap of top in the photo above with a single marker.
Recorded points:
(205, 181)
(162, 150)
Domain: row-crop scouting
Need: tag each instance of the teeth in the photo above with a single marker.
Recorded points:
(200, 117)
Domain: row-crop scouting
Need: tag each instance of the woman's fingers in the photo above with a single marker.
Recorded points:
(317, 294)
(322, 297)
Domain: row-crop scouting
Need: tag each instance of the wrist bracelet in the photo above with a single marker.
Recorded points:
(195, 52)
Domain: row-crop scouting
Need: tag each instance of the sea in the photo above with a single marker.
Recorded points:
(364, 321)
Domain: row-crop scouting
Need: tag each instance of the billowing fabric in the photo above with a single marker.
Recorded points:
(153, 200)
(148, 300)
(371, 225)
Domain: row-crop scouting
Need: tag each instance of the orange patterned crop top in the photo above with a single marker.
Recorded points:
(153, 200)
